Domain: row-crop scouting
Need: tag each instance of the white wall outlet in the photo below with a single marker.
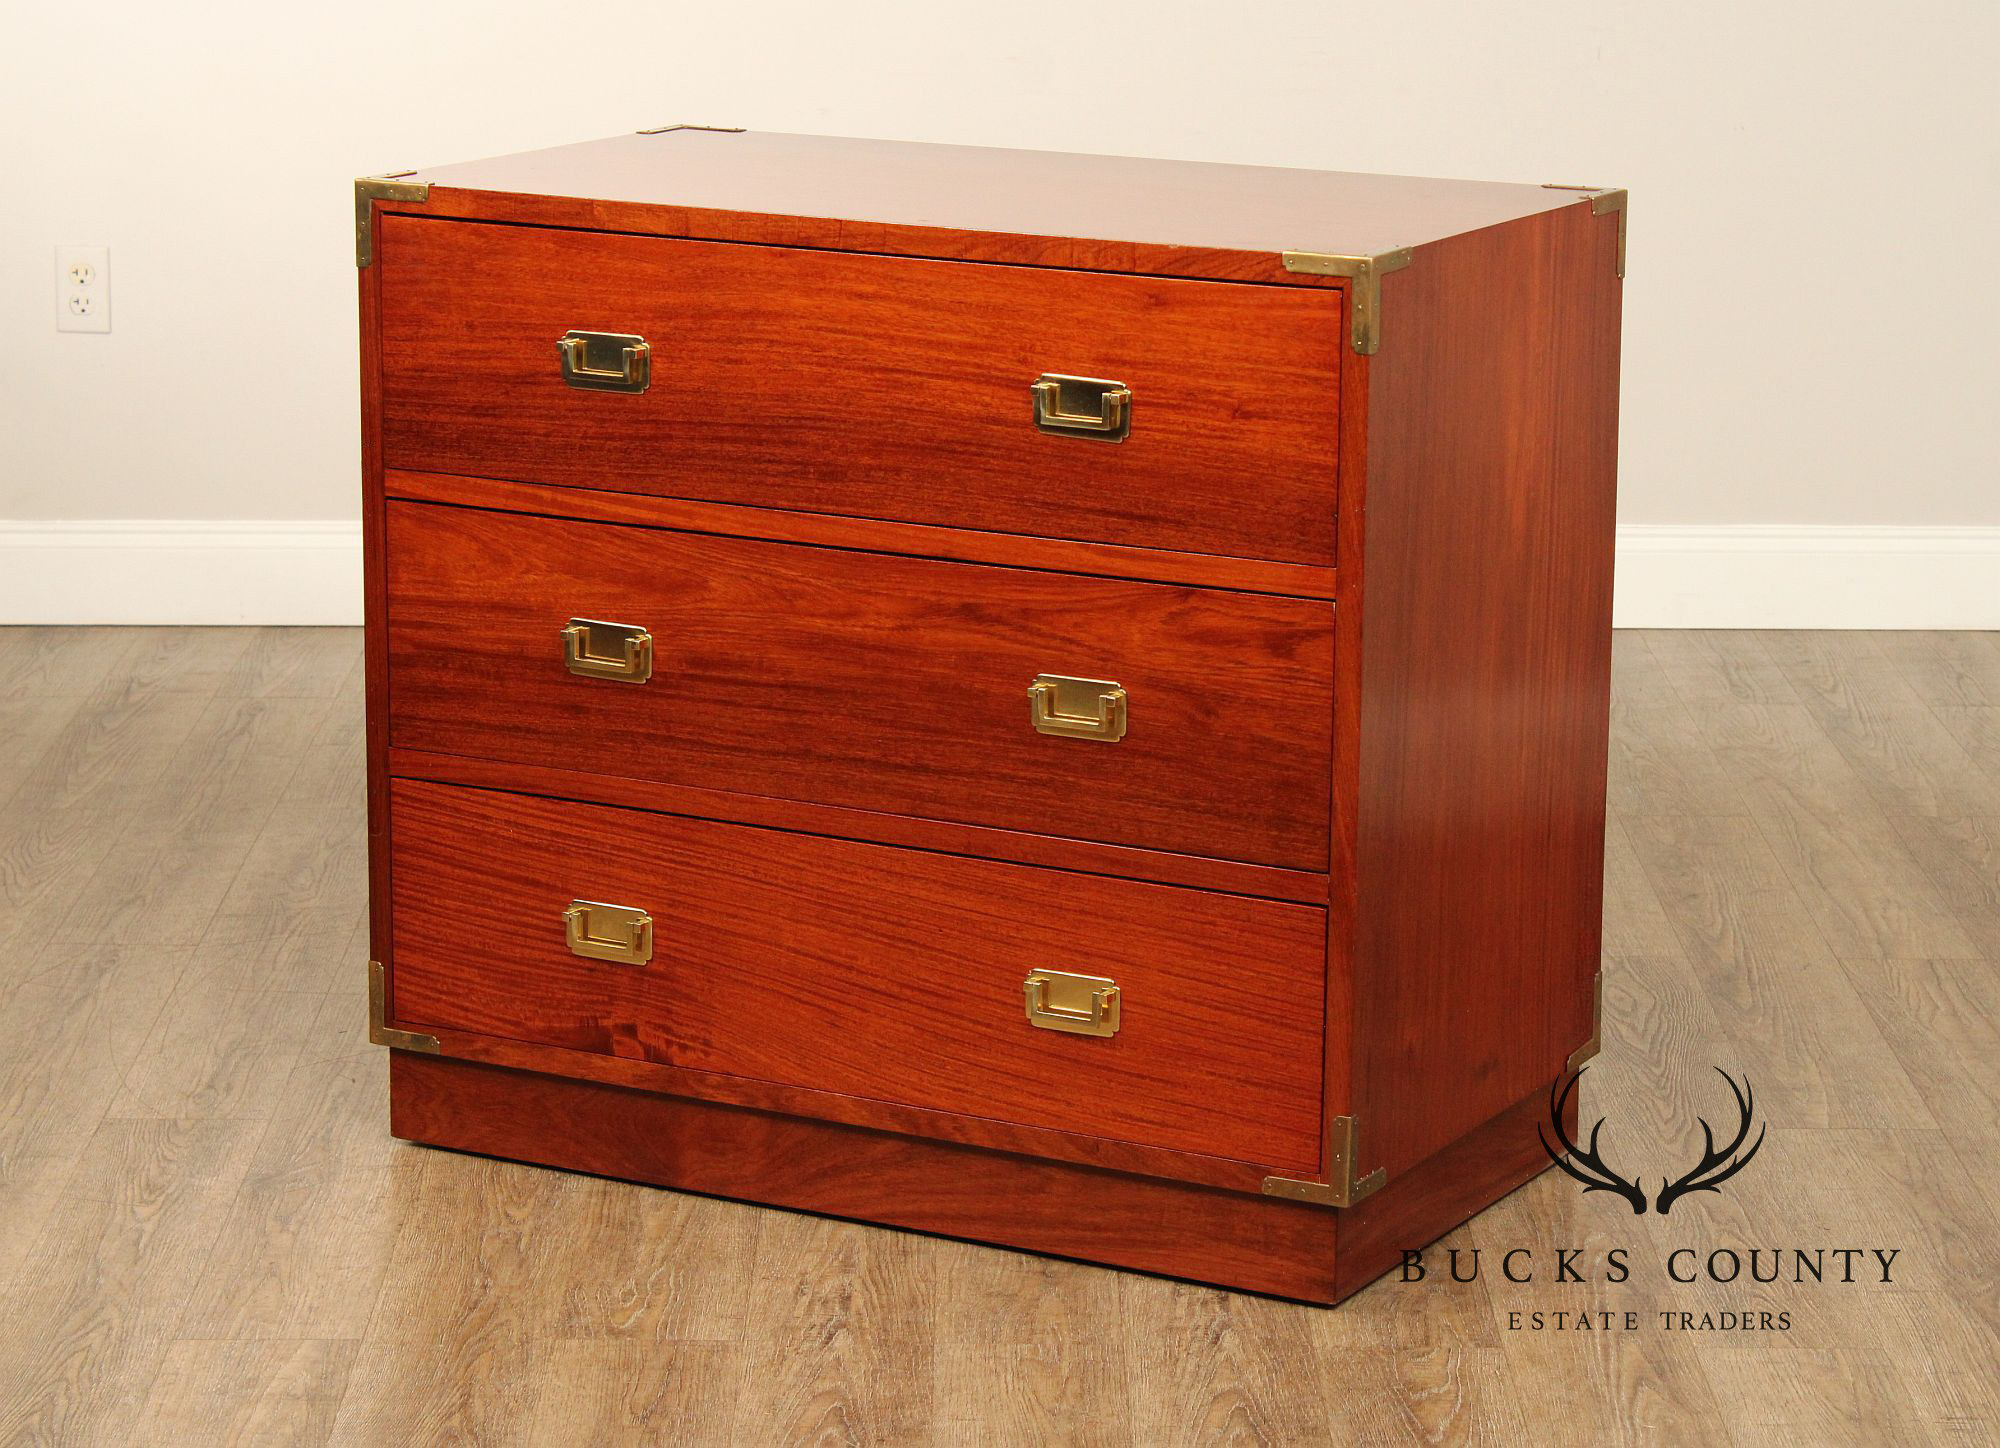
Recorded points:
(83, 289)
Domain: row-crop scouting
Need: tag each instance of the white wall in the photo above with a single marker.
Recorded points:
(1811, 310)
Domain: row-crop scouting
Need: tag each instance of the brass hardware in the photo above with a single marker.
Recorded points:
(1596, 1042)
(367, 191)
(597, 931)
(683, 126)
(1083, 1005)
(1077, 708)
(1342, 1190)
(599, 650)
(381, 1033)
(1082, 406)
(1612, 201)
(630, 369)
(1603, 199)
(1364, 292)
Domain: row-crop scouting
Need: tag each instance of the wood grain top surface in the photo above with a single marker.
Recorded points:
(1118, 199)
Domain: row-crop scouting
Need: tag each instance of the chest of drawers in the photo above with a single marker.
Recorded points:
(1053, 700)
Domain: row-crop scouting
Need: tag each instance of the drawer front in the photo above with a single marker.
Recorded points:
(878, 387)
(895, 975)
(868, 681)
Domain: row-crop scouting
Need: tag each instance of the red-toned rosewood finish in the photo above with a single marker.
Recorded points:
(1345, 865)
(700, 802)
(868, 680)
(876, 972)
(867, 535)
(1482, 672)
(867, 386)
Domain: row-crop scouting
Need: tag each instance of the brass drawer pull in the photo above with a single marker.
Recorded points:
(630, 366)
(1083, 1005)
(597, 931)
(1077, 708)
(1082, 406)
(600, 650)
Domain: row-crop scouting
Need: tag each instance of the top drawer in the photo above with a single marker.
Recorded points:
(870, 386)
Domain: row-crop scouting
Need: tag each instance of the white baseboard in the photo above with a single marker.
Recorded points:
(1669, 576)
(180, 572)
(1779, 576)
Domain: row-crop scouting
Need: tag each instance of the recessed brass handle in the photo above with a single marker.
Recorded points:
(599, 650)
(1077, 708)
(1082, 406)
(597, 931)
(1083, 1005)
(623, 363)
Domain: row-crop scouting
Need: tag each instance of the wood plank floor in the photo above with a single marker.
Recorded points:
(207, 1236)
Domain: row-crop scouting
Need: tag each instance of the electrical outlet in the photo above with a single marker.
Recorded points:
(83, 289)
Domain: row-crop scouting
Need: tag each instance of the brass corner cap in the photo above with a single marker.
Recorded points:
(1593, 192)
(1364, 293)
(370, 189)
(1343, 1190)
(1324, 1194)
(1595, 1044)
(1603, 200)
(379, 1031)
(1342, 264)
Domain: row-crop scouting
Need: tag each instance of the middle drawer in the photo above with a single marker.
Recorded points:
(869, 681)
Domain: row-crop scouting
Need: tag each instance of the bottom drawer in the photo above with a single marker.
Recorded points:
(866, 970)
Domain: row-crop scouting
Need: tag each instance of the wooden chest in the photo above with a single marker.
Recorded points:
(1047, 699)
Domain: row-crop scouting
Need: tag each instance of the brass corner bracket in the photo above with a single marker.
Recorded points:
(684, 126)
(378, 1013)
(1596, 1042)
(1343, 1190)
(367, 191)
(1364, 294)
(1603, 199)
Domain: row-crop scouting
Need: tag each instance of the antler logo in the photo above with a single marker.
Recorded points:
(1589, 1167)
(1715, 1167)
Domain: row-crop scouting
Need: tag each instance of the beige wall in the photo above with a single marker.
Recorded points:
(1811, 311)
